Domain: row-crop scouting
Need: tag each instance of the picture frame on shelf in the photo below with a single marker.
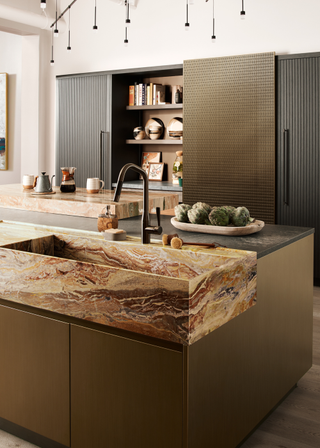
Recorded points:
(155, 171)
(149, 157)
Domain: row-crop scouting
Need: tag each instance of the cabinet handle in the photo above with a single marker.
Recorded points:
(286, 166)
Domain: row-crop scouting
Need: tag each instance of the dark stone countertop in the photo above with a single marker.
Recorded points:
(269, 239)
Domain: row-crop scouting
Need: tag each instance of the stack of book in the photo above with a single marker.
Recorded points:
(147, 94)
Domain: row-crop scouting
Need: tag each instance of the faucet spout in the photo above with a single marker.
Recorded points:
(146, 229)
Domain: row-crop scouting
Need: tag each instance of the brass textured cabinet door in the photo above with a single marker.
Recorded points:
(124, 393)
(229, 132)
(34, 373)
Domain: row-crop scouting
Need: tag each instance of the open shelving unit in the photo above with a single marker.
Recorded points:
(125, 118)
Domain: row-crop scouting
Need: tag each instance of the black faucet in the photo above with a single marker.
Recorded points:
(146, 228)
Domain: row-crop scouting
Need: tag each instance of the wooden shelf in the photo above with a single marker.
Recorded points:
(156, 107)
(154, 142)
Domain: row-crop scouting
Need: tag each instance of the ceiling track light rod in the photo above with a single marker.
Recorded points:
(62, 14)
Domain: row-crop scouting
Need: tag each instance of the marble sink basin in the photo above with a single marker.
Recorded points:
(176, 295)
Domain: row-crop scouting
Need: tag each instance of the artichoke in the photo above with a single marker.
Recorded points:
(207, 207)
(219, 216)
(197, 215)
(230, 210)
(240, 217)
(181, 212)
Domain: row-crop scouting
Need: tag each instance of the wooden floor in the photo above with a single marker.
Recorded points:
(296, 422)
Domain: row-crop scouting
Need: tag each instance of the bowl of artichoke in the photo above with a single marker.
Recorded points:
(223, 220)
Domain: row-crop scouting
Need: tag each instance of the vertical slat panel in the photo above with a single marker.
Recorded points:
(298, 111)
(229, 132)
(83, 111)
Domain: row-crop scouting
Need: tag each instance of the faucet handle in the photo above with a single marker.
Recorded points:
(158, 215)
(157, 230)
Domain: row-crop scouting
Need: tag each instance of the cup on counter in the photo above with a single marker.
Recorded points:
(28, 181)
(94, 185)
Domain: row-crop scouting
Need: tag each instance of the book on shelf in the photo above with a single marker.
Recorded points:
(136, 94)
(142, 94)
(131, 95)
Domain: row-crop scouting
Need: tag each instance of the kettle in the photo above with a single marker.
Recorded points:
(43, 184)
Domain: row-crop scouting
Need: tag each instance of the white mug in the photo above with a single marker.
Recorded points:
(28, 181)
(93, 185)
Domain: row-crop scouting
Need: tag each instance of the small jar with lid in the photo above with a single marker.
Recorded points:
(177, 170)
(107, 220)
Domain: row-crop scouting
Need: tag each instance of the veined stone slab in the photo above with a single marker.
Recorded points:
(175, 295)
(81, 203)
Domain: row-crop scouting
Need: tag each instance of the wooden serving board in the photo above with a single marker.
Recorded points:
(254, 227)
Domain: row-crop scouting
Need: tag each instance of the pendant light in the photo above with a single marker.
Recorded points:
(213, 37)
(43, 4)
(69, 32)
(126, 41)
(95, 27)
(187, 24)
(56, 31)
(52, 60)
(127, 5)
(242, 12)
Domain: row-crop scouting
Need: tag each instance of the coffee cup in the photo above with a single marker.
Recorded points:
(28, 181)
(93, 185)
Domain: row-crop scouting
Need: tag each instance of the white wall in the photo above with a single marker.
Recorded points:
(157, 37)
(10, 62)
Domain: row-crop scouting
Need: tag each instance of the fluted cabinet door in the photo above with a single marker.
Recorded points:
(83, 127)
(298, 144)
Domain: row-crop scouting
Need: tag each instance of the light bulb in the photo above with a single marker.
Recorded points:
(43, 4)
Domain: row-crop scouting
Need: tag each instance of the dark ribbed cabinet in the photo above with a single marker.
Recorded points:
(298, 144)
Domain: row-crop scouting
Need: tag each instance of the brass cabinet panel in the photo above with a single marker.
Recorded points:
(229, 132)
(238, 373)
(124, 393)
(34, 373)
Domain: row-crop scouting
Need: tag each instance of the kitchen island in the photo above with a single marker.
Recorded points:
(103, 386)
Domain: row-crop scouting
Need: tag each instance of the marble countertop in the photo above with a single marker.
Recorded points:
(269, 239)
(81, 203)
(176, 295)
(164, 185)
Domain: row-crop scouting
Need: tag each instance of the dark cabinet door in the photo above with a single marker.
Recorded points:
(83, 127)
(34, 373)
(298, 144)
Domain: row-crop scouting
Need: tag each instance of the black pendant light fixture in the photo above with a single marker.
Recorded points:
(187, 24)
(127, 5)
(242, 12)
(126, 41)
(69, 32)
(213, 37)
(43, 4)
(56, 31)
(52, 60)
(95, 26)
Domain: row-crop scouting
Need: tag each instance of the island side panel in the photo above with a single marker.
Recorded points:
(239, 372)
